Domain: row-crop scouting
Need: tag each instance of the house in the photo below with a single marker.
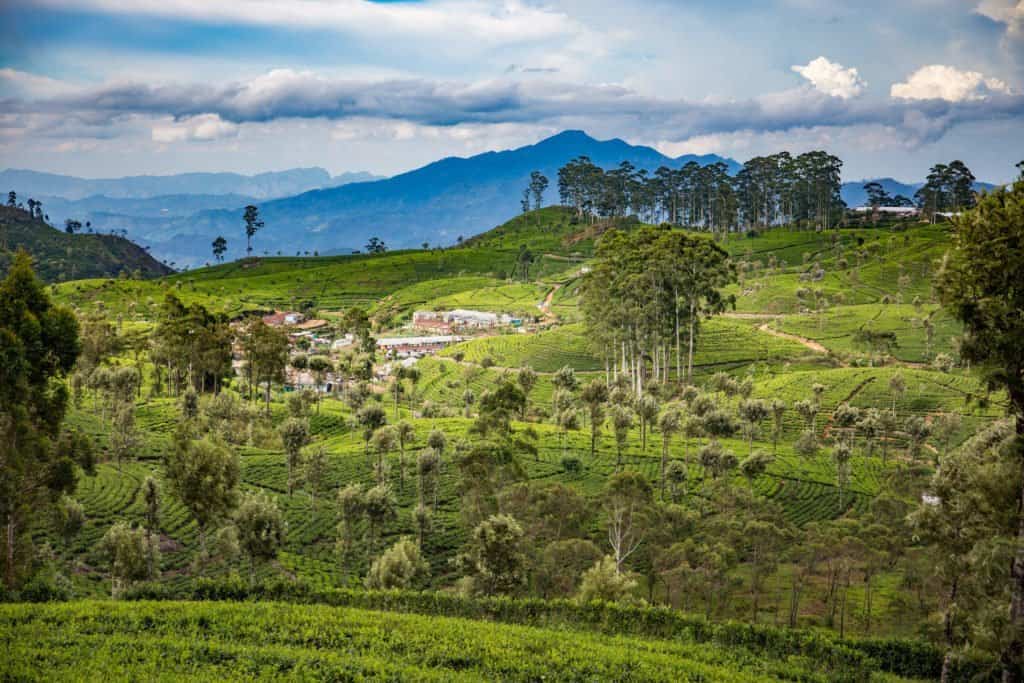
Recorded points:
(283, 319)
(415, 346)
(310, 325)
(430, 320)
(474, 319)
(343, 342)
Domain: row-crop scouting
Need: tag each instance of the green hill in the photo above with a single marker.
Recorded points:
(59, 256)
(551, 230)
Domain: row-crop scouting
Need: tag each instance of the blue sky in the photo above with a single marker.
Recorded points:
(117, 87)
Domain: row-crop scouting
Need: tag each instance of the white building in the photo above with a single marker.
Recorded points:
(466, 318)
(891, 210)
(415, 346)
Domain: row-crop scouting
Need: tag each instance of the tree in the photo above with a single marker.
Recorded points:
(70, 517)
(494, 557)
(752, 412)
(266, 354)
(370, 417)
(204, 476)
(647, 409)
(251, 216)
(561, 565)
(437, 441)
(778, 409)
(622, 421)
(877, 195)
(379, 507)
(627, 500)
(978, 284)
(122, 433)
(497, 408)
(351, 506)
(315, 475)
(400, 566)
(219, 246)
(527, 380)
(192, 345)
(605, 583)
(383, 441)
(676, 474)
(648, 290)
(594, 396)
(428, 470)
(841, 456)
(376, 245)
(538, 184)
(151, 522)
(967, 521)
(755, 465)
(130, 554)
(261, 529)
(72, 226)
(12, 199)
(404, 434)
(294, 437)
(764, 540)
(669, 424)
(523, 262)
(39, 343)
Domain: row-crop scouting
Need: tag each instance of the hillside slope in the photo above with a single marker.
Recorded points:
(59, 256)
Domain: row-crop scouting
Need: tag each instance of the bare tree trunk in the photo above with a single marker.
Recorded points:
(9, 570)
(689, 362)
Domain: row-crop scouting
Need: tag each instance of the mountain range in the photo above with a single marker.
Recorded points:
(260, 186)
(177, 217)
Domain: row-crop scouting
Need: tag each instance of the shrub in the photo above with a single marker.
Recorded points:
(604, 583)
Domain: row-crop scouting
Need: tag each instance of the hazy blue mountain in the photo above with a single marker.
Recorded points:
(854, 195)
(261, 186)
(436, 203)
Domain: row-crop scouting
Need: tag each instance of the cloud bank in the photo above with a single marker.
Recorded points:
(924, 107)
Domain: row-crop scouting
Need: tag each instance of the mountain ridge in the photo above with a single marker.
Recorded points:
(262, 186)
(435, 203)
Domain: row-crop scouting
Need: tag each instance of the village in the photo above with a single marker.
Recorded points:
(427, 333)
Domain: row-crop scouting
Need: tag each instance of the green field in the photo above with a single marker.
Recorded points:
(246, 641)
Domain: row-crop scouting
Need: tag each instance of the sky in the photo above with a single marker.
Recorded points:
(106, 88)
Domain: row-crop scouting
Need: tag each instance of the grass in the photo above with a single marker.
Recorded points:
(246, 641)
(520, 299)
(836, 328)
(722, 343)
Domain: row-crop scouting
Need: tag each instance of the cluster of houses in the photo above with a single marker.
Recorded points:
(461, 319)
(441, 329)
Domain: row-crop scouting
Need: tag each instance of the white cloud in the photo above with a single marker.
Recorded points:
(940, 82)
(24, 84)
(1009, 12)
(201, 128)
(832, 78)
